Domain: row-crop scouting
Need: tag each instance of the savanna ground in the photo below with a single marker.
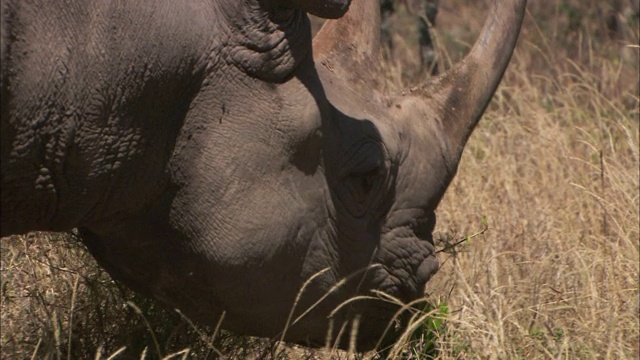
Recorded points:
(551, 174)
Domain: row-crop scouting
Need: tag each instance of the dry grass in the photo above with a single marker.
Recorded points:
(553, 167)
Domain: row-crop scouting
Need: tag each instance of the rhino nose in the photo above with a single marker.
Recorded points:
(426, 270)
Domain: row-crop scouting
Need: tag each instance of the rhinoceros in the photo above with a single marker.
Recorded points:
(213, 156)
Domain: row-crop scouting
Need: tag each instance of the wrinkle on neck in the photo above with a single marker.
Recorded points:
(263, 40)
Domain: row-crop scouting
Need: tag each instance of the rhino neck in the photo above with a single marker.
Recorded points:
(91, 113)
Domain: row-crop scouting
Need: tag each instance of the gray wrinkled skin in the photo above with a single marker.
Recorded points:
(215, 161)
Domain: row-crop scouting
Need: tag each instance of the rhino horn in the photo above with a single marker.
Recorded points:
(357, 29)
(458, 98)
(350, 47)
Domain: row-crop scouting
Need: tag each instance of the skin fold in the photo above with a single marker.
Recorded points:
(215, 157)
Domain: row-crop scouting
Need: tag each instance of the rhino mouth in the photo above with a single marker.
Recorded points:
(409, 290)
(408, 259)
(430, 265)
(375, 321)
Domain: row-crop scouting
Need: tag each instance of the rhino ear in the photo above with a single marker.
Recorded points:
(328, 9)
(350, 46)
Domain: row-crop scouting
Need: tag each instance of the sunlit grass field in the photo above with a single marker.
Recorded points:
(549, 183)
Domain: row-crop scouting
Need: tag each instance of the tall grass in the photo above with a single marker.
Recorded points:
(552, 169)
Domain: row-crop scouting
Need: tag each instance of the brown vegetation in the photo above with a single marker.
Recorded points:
(553, 171)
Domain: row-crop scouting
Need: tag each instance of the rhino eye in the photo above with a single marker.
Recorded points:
(362, 179)
(361, 184)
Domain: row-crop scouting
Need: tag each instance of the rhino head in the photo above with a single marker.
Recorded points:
(215, 157)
